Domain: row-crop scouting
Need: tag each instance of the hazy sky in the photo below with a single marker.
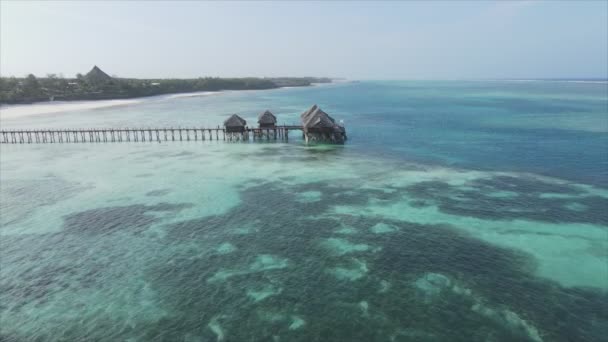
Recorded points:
(390, 40)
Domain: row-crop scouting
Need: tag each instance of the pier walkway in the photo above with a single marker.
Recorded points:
(113, 135)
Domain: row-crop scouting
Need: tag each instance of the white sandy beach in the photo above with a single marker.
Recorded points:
(195, 94)
(8, 112)
(22, 110)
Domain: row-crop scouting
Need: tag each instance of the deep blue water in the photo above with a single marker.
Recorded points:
(552, 128)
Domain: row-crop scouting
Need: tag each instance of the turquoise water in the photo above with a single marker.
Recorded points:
(460, 211)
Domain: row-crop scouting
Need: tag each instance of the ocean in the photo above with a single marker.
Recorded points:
(456, 211)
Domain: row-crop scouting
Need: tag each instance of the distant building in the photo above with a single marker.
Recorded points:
(267, 120)
(235, 123)
(319, 126)
(96, 75)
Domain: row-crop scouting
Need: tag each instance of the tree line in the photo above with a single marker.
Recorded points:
(53, 87)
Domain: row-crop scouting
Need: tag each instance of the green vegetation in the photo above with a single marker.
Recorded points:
(97, 85)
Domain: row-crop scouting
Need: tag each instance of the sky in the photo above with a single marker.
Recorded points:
(354, 40)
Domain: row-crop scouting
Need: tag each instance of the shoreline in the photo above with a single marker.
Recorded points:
(17, 111)
(22, 110)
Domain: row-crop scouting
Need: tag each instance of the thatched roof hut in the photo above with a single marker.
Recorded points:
(316, 119)
(235, 123)
(97, 75)
(318, 125)
(267, 119)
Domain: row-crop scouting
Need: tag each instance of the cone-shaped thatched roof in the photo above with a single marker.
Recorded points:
(316, 117)
(267, 118)
(97, 75)
(235, 121)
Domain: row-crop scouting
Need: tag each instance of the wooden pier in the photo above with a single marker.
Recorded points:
(114, 135)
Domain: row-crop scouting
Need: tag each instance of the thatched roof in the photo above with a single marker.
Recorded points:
(97, 75)
(267, 118)
(316, 117)
(309, 111)
(235, 121)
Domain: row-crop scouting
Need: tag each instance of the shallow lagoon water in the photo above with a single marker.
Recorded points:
(477, 233)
